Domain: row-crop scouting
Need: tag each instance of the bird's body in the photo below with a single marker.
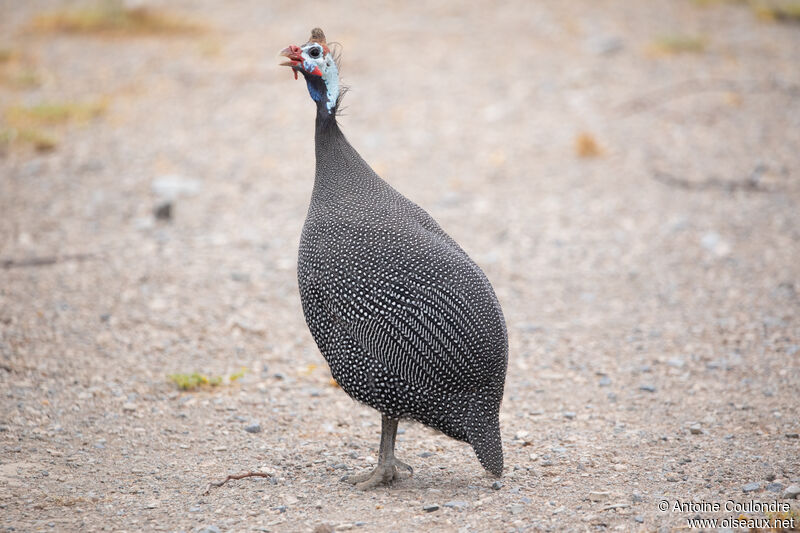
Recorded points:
(407, 322)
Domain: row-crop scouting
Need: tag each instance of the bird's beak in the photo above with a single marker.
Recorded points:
(295, 58)
(294, 54)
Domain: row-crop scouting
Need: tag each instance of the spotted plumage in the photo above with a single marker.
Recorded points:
(407, 322)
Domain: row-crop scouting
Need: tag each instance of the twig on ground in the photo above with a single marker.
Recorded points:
(750, 183)
(615, 506)
(43, 261)
(243, 475)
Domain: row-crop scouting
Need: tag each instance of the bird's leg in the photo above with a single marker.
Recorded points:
(389, 468)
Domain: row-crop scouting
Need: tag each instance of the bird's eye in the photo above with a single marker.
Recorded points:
(314, 52)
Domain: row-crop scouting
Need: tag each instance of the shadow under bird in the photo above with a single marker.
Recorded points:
(407, 322)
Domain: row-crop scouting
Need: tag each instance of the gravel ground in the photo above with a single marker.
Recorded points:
(650, 287)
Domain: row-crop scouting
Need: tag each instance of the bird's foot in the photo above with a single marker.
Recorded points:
(383, 474)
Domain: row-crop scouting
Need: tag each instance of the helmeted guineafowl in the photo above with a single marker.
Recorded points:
(407, 322)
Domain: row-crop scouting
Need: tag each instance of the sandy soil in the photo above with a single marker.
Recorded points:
(651, 291)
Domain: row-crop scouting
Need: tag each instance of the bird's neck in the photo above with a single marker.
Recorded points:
(339, 166)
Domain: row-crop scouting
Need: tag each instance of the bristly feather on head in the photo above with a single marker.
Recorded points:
(319, 65)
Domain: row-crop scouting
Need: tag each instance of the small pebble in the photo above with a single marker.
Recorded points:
(426, 454)
(774, 487)
(605, 381)
(129, 406)
(516, 508)
(599, 496)
(793, 435)
(647, 388)
(430, 508)
(673, 477)
(497, 485)
(696, 429)
(163, 211)
(791, 492)
(457, 504)
(639, 519)
(254, 427)
(209, 529)
(569, 415)
(751, 487)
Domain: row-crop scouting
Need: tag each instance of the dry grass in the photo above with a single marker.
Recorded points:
(48, 114)
(7, 55)
(586, 146)
(195, 380)
(679, 44)
(23, 78)
(33, 125)
(113, 17)
(41, 141)
(16, 71)
(770, 10)
(781, 11)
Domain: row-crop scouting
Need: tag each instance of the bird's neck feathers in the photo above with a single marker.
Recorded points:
(324, 90)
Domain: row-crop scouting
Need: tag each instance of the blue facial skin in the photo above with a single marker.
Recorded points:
(315, 93)
(319, 92)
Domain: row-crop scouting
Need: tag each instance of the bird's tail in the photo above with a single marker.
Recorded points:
(483, 432)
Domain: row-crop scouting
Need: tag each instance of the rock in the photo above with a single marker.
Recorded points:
(569, 415)
(637, 498)
(673, 477)
(431, 507)
(163, 211)
(457, 504)
(599, 496)
(751, 487)
(151, 505)
(696, 429)
(713, 242)
(208, 529)
(639, 519)
(793, 435)
(605, 381)
(323, 528)
(129, 407)
(604, 46)
(774, 487)
(497, 485)
(791, 492)
(426, 454)
(770, 477)
(253, 427)
(172, 186)
(647, 388)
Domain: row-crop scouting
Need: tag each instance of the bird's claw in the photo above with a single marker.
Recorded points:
(383, 474)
